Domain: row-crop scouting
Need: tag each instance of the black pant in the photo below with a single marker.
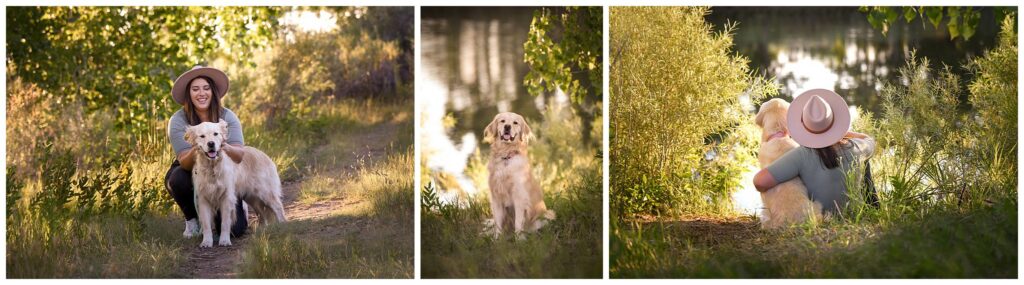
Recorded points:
(179, 184)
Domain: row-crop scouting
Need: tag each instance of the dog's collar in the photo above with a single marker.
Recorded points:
(510, 155)
(779, 134)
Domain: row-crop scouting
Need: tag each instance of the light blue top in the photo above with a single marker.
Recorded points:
(826, 186)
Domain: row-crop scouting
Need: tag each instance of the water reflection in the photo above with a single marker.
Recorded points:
(836, 48)
(471, 68)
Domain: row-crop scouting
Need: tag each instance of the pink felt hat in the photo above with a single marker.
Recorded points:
(818, 118)
(180, 90)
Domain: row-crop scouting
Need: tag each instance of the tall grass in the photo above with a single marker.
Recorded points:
(453, 239)
(371, 238)
(104, 247)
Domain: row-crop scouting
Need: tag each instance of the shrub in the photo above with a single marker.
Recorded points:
(675, 94)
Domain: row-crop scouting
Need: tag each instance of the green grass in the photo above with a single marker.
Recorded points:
(979, 243)
(104, 247)
(569, 172)
(300, 249)
(453, 245)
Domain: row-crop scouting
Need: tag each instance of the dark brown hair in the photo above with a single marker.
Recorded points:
(829, 155)
(213, 112)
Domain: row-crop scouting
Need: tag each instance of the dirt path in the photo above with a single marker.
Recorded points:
(735, 231)
(222, 262)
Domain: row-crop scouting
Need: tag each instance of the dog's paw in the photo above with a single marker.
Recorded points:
(225, 242)
(191, 229)
(207, 243)
(520, 236)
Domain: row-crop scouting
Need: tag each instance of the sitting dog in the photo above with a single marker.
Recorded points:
(786, 203)
(515, 194)
(219, 182)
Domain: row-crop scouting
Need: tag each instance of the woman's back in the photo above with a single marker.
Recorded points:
(826, 186)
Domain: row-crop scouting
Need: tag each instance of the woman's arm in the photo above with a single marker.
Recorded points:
(856, 135)
(235, 152)
(763, 180)
(783, 169)
(865, 144)
(187, 159)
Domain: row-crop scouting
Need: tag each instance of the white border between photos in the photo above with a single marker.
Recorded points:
(417, 183)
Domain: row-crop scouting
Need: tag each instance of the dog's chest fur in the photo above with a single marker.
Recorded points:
(212, 179)
(506, 167)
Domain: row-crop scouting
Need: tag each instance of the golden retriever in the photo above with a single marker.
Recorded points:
(220, 182)
(515, 194)
(786, 203)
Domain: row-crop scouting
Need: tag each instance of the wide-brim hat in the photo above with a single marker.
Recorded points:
(818, 118)
(180, 90)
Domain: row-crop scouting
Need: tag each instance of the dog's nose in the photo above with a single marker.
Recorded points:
(210, 144)
(508, 128)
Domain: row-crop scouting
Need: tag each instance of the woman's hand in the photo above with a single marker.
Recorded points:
(855, 135)
(234, 152)
(187, 159)
(763, 180)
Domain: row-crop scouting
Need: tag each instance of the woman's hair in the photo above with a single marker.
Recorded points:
(829, 155)
(213, 112)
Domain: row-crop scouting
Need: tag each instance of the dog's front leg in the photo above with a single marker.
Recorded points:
(522, 209)
(206, 220)
(227, 214)
(498, 211)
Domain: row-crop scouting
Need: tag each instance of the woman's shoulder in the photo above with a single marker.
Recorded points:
(178, 118)
(228, 115)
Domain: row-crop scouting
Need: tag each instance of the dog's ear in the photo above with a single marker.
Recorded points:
(526, 134)
(759, 119)
(491, 130)
(223, 129)
(190, 136)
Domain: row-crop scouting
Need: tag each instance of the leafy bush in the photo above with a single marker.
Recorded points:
(935, 155)
(994, 97)
(675, 93)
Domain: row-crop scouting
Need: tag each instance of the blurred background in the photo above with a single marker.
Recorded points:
(837, 48)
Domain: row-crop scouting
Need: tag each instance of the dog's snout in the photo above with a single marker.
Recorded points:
(508, 128)
(210, 144)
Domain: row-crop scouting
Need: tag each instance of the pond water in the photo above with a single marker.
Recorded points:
(836, 48)
(471, 69)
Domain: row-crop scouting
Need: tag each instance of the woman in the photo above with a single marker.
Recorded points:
(819, 120)
(199, 91)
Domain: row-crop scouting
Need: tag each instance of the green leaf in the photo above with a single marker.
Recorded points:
(934, 15)
(909, 13)
(954, 22)
(969, 23)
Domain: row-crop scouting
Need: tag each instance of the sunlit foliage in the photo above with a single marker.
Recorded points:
(675, 94)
